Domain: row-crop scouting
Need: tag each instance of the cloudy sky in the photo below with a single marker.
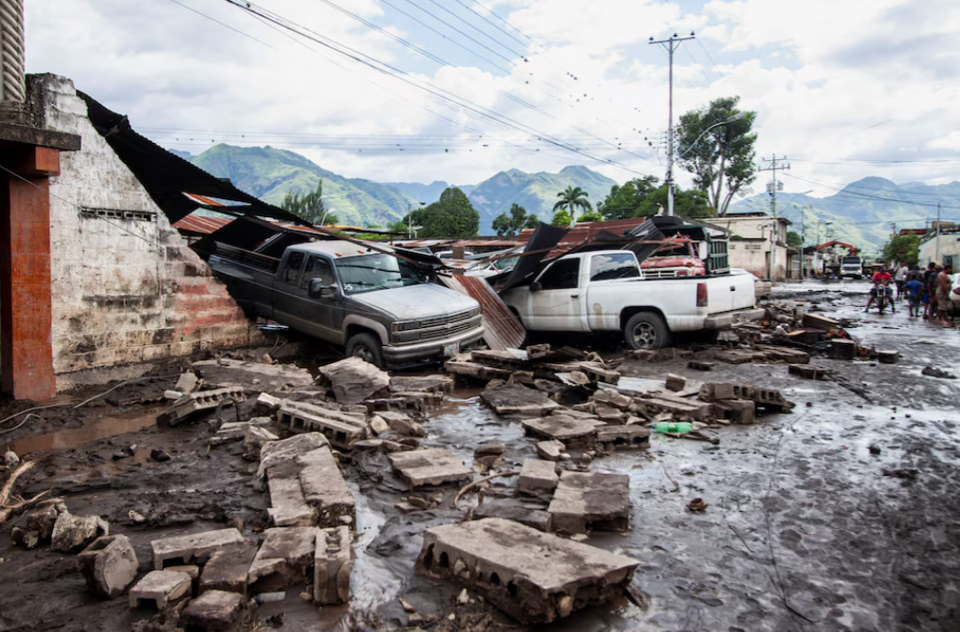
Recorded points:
(458, 90)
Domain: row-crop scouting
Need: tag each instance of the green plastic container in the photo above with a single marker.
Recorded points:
(681, 427)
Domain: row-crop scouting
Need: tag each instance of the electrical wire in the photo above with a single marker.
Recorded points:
(224, 24)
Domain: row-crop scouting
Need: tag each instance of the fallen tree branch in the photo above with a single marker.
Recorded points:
(469, 486)
(9, 510)
(6, 509)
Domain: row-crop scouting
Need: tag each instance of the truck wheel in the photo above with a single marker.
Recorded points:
(646, 330)
(366, 347)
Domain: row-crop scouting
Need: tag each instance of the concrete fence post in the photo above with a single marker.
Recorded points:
(13, 92)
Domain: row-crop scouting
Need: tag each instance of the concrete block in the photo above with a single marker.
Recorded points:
(609, 415)
(423, 384)
(652, 405)
(332, 562)
(550, 450)
(535, 577)
(818, 321)
(191, 548)
(585, 501)
(465, 368)
(696, 365)
(285, 559)
(340, 429)
(785, 354)
(109, 565)
(187, 383)
(403, 424)
(535, 518)
(675, 382)
(354, 380)
(612, 399)
(213, 611)
(288, 507)
(227, 569)
(378, 425)
(429, 467)
(569, 430)
(512, 399)
(200, 401)
(73, 533)
(537, 477)
(627, 436)
(278, 453)
(596, 373)
(160, 589)
(267, 404)
(807, 372)
(254, 438)
(325, 490)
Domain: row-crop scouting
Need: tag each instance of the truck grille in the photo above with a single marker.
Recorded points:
(440, 327)
(445, 332)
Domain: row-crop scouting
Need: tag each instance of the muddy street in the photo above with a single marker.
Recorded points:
(839, 515)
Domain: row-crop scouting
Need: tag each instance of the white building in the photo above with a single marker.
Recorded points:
(946, 244)
(752, 239)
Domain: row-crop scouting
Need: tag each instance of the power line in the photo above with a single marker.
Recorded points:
(845, 191)
(223, 24)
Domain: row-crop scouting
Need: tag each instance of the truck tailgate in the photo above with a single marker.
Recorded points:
(730, 292)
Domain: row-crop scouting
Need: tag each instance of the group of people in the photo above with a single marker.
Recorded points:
(929, 288)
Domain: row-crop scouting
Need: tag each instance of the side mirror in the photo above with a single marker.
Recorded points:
(329, 291)
(317, 289)
(535, 286)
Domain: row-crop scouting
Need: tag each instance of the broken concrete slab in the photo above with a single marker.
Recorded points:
(227, 569)
(160, 589)
(198, 401)
(784, 354)
(819, 321)
(288, 507)
(267, 404)
(675, 382)
(341, 429)
(325, 489)
(109, 565)
(73, 533)
(213, 611)
(585, 501)
(429, 467)
(550, 450)
(402, 424)
(422, 384)
(254, 438)
(194, 548)
(570, 431)
(808, 372)
(277, 453)
(332, 563)
(233, 431)
(285, 559)
(187, 383)
(599, 374)
(762, 397)
(508, 399)
(625, 436)
(653, 405)
(697, 365)
(36, 527)
(510, 359)
(353, 380)
(738, 356)
(534, 577)
(465, 368)
(270, 377)
(536, 518)
(738, 411)
(378, 425)
(538, 477)
(611, 398)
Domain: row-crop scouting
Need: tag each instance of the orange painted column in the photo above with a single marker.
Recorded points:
(26, 354)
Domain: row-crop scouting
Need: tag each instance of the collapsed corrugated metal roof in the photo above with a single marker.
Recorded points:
(501, 329)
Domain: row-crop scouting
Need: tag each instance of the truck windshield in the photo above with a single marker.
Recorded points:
(851, 260)
(367, 273)
(613, 266)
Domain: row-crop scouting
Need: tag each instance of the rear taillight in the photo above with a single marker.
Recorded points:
(702, 299)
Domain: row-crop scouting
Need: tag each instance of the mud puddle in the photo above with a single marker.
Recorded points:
(89, 433)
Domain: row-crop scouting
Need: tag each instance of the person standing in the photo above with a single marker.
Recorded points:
(943, 286)
(900, 277)
(913, 288)
(929, 298)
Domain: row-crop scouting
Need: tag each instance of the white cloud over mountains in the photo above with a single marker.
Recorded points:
(837, 83)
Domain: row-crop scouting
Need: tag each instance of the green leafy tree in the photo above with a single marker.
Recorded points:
(510, 225)
(451, 216)
(642, 197)
(591, 216)
(309, 206)
(721, 161)
(561, 218)
(794, 240)
(902, 249)
(571, 199)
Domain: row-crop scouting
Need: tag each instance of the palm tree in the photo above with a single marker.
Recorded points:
(572, 198)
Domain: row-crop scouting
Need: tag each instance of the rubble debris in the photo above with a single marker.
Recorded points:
(160, 589)
(188, 405)
(254, 438)
(535, 577)
(332, 563)
(73, 533)
(227, 568)
(354, 380)
(697, 365)
(10, 459)
(784, 354)
(571, 431)
(653, 405)
(843, 349)
(808, 372)
(585, 501)
(213, 611)
(598, 374)
(159, 455)
(888, 356)
(819, 321)
(510, 359)
(429, 467)
(626, 436)
(425, 384)
(233, 431)
(737, 411)
(934, 372)
(36, 527)
(269, 377)
(550, 450)
(288, 507)
(267, 404)
(510, 399)
(276, 453)
(697, 505)
(762, 397)
(537, 477)
(285, 559)
(489, 449)
(740, 356)
(612, 398)
(109, 565)
(462, 366)
(187, 383)
(194, 548)
(325, 489)
(341, 429)
(402, 424)
(675, 382)
(536, 518)
(378, 426)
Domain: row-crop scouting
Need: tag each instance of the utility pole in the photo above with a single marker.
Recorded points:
(671, 45)
(13, 92)
(772, 190)
(937, 247)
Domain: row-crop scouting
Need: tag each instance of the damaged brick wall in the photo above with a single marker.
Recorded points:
(126, 289)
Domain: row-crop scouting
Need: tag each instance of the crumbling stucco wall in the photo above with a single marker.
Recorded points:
(127, 291)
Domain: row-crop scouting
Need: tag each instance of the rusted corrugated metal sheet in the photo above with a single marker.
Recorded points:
(501, 329)
(199, 225)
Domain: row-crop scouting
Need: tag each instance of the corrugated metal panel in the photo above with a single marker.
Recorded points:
(202, 225)
(502, 329)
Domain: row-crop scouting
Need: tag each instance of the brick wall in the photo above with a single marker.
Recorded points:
(127, 292)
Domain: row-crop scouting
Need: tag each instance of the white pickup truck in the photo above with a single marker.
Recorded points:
(606, 291)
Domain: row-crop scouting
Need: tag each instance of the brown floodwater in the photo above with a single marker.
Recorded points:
(90, 432)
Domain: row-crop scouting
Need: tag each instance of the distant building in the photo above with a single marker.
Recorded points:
(942, 247)
(751, 245)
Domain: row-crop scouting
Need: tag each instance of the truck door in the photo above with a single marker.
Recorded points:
(322, 313)
(556, 303)
(285, 289)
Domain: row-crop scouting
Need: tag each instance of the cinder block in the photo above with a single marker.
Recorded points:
(333, 561)
(585, 501)
(109, 565)
(194, 548)
(213, 611)
(160, 589)
(628, 436)
(537, 477)
(429, 467)
(285, 559)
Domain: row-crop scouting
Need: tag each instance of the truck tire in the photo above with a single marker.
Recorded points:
(646, 330)
(366, 347)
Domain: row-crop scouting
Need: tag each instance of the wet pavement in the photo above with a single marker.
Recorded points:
(803, 530)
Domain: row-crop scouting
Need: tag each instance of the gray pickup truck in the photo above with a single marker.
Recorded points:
(380, 307)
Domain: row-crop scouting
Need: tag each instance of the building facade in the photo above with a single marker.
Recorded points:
(758, 244)
(941, 247)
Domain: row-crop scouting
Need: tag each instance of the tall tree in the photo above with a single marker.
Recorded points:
(641, 197)
(572, 198)
(510, 225)
(451, 216)
(903, 249)
(722, 159)
(561, 218)
(308, 206)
